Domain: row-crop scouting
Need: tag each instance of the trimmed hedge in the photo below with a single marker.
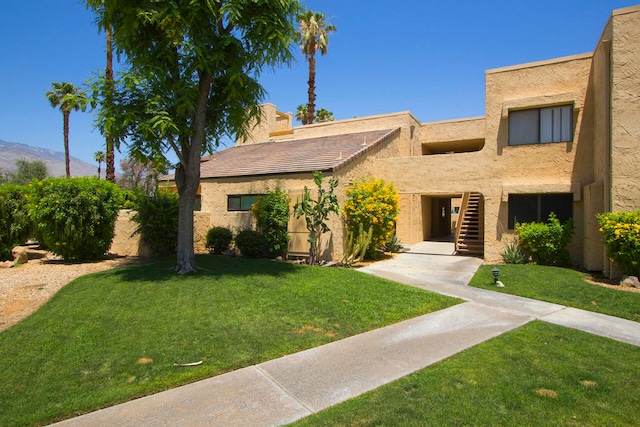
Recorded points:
(75, 217)
(15, 224)
(157, 218)
(218, 240)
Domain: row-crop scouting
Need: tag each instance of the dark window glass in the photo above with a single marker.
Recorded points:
(537, 207)
(241, 202)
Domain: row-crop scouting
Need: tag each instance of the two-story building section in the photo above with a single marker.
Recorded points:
(559, 136)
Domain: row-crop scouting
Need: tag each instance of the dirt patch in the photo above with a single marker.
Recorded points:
(27, 287)
(609, 283)
(547, 393)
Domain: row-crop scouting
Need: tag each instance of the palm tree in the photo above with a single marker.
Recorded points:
(302, 114)
(67, 97)
(314, 36)
(110, 142)
(100, 158)
(324, 115)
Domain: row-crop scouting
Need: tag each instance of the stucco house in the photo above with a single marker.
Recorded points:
(560, 135)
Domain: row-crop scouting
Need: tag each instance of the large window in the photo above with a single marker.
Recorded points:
(241, 202)
(537, 207)
(541, 125)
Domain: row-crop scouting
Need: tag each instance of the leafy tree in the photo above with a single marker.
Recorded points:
(314, 37)
(138, 176)
(317, 211)
(100, 157)
(68, 98)
(190, 79)
(3, 177)
(27, 171)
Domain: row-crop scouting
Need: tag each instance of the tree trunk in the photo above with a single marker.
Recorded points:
(110, 170)
(311, 107)
(99, 169)
(65, 130)
(187, 189)
(188, 179)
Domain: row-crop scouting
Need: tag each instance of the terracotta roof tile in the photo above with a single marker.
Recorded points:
(326, 153)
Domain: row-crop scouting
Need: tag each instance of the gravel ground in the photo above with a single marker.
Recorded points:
(26, 288)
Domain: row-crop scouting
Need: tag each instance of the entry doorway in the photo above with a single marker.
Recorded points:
(439, 215)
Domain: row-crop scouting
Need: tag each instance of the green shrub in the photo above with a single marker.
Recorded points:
(392, 245)
(514, 254)
(271, 212)
(546, 243)
(157, 219)
(15, 224)
(621, 236)
(218, 239)
(251, 243)
(372, 203)
(75, 217)
(130, 199)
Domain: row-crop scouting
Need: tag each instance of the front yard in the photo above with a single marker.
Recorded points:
(112, 336)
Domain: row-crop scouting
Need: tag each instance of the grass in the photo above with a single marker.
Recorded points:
(561, 286)
(540, 374)
(115, 335)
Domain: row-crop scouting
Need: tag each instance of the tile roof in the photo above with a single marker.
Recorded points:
(326, 153)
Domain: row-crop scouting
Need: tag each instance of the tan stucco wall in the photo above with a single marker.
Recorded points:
(625, 109)
(127, 243)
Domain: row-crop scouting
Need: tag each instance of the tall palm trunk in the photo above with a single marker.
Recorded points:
(65, 130)
(110, 169)
(311, 107)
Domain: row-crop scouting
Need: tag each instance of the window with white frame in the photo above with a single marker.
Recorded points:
(541, 125)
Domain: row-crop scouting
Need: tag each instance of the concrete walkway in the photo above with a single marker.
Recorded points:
(292, 387)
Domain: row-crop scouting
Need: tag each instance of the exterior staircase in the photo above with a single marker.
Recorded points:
(469, 237)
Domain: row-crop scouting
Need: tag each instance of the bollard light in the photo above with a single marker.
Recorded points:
(495, 273)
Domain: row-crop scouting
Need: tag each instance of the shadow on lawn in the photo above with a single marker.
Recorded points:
(211, 266)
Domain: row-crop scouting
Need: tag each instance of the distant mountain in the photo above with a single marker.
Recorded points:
(12, 151)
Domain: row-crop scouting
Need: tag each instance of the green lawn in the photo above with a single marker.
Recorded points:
(561, 286)
(112, 336)
(540, 374)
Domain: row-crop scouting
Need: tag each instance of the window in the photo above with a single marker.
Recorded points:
(537, 207)
(241, 202)
(541, 125)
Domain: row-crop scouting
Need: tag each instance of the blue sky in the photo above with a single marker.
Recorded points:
(428, 57)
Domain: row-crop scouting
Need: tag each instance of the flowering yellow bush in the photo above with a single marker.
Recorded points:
(621, 233)
(372, 203)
